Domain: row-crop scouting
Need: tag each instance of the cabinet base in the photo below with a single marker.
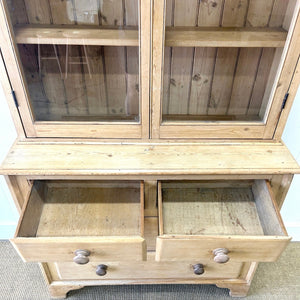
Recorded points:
(59, 290)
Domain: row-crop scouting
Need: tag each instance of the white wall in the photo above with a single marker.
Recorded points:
(8, 212)
(290, 210)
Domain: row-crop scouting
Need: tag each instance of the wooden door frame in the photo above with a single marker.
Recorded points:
(220, 130)
(77, 129)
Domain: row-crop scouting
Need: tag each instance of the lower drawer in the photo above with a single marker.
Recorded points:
(148, 270)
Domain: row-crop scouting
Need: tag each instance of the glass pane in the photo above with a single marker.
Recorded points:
(226, 78)
(80, 58)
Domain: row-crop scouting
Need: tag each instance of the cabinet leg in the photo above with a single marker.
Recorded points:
(61, 291)
(236, 290)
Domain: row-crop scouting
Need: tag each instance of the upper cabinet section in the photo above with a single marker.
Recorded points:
(221, 68)
(158, 69)
(83, 71)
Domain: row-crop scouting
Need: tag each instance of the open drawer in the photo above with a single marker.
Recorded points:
(219, 220)
(104, 219)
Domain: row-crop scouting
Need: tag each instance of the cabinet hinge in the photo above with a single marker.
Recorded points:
(284, 100)
(15, 98)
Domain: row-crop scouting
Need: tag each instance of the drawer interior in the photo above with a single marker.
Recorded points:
(218, 208)
(83, 208)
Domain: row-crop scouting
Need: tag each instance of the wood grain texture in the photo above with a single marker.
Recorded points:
(144, 270)
(79, 35)
(210, 211)
(152, 159)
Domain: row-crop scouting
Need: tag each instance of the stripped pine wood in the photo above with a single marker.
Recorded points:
(245, 74)
(132, 61)
(225, 37)
(28, 56)
(204, 60)
(278, 13)
(148, 159)
(185, 14)
(205, 211)
(76, 35)
(51, 73)
(18, 11)
(169, 21)
(38, 11)
(233, 16)
(62, 12)
(52, 70)
(234, 13)
(222, 81)
(204, 63)
(150, 269)
(92, 61)
(258, 16)
(114, 60)
(259, 13)
(210, 12)
(261, 80)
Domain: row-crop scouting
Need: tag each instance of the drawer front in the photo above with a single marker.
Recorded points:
(148, 270)
(240, 248)
(63, 249)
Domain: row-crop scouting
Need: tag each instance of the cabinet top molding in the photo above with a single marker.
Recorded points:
(119, 159)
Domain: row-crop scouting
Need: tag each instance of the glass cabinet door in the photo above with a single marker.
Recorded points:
(81, 66)
(221, 61)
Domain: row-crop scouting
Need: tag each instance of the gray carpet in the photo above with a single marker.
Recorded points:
(280, 280)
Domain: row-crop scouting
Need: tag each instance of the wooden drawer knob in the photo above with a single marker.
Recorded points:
(221, 256)
(101, 270)
(198, 269)
(81, 257)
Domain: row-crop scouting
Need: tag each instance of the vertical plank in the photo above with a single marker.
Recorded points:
(132, 60)
(150, 198)
(86, 12)
(38, 11)
(145, 66)
(51, 72)
(234, 14)
(28, 56)
(258, 15)
(185, 14)
(58, 88)
(157, 66)
(264, 75)
(244, 80)
(112, 13)
(94, 80)
(169, 21)
(203, 69)
(91, 56)
(62, 12)
(204, 59)
(17, 11)
(278, 13)
(210, 12)
(261, 81)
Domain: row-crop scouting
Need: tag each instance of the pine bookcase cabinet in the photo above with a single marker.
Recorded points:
(149, 137)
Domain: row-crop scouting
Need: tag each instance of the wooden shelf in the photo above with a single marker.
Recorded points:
(225, 37)
(147, 159)
(178, 37)
(62, 35)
